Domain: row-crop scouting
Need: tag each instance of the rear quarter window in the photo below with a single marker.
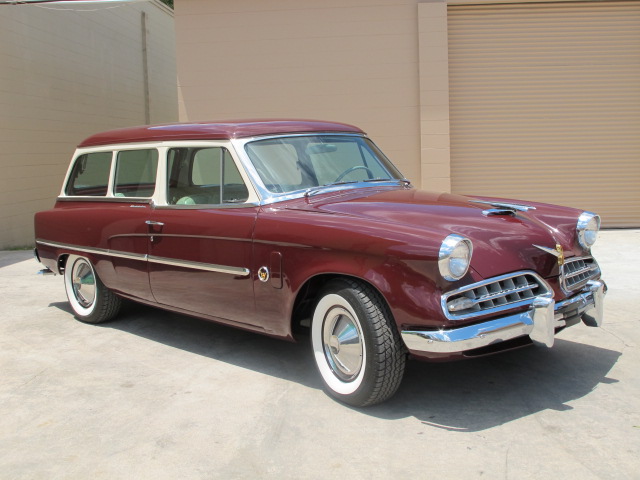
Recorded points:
(136, 173)
(90, 175)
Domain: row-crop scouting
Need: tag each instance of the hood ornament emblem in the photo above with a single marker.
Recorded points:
(558, 252)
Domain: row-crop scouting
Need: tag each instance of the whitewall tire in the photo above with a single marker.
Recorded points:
(356, 344)
(90, 300)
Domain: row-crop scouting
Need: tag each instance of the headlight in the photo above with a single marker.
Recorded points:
(588, 227)
(454, 257)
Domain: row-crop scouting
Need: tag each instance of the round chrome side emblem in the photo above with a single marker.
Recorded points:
(263, 274)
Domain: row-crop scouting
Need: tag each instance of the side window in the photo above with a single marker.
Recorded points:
(90, 175)
(204, 176)
(205, 169)
(136, 173)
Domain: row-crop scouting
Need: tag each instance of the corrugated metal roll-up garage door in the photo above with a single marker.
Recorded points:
(545, 104)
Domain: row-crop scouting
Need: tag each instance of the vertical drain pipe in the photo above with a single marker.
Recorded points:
(145, 69)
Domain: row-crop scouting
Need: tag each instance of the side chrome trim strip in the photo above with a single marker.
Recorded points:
(126, 255)
(209, 267)
(95, 251)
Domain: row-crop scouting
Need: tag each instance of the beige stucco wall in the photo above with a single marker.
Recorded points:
(66, 72)
(380, 65)
(387, 66)
(343, 60)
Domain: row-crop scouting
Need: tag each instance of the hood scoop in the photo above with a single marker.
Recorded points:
(500, 208)
(499, 211)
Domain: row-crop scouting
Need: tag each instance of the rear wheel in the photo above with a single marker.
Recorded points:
(356, 344)
(90, 300)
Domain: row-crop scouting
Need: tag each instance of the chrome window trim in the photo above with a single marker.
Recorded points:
(258, 193)
(491, 311)
(159, 198)
(209, 267)
(144, 200)
(208, 206)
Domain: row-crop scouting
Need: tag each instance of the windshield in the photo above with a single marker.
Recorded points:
(287, 164)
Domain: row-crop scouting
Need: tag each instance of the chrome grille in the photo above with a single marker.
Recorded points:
(494, 295)
(576, 272)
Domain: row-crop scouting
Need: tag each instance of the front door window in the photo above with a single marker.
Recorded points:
(203, 176)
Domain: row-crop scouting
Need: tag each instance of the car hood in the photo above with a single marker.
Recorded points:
(502, 243)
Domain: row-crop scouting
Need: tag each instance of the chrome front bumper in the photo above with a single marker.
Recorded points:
(539, 323)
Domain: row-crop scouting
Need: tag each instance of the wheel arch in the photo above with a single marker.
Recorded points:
(61, 262)
(309, 293)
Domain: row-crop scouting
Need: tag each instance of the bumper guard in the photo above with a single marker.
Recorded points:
(539, 323)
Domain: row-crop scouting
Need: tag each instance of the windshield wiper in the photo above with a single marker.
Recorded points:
(314, 190)
(401, 180)
(318, 188)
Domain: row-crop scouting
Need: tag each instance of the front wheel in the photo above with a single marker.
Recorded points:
(356, 344)
(90, 300)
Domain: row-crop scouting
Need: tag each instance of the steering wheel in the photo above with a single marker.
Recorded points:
(353, 169)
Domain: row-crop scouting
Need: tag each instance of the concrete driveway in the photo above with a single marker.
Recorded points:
(158, 395)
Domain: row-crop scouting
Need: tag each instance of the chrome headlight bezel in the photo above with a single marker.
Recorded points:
(454, 257)
(587, 229)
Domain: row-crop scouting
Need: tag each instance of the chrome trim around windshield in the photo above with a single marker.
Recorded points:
(209, 267)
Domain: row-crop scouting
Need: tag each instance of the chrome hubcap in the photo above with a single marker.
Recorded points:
(84, 283)
(342, 341)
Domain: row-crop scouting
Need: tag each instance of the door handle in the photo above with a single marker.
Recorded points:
(154, 223)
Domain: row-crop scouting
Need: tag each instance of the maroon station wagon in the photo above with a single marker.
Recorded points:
(303, 228)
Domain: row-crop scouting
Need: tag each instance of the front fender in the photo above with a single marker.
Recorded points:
(333, 245)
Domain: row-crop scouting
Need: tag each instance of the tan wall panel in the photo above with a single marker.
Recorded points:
(545, 104)
(434, 97)
(346, 61)
(66, 73)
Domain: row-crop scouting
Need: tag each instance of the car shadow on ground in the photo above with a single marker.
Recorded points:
(482, 393)
(260, 353)
(470, 395)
